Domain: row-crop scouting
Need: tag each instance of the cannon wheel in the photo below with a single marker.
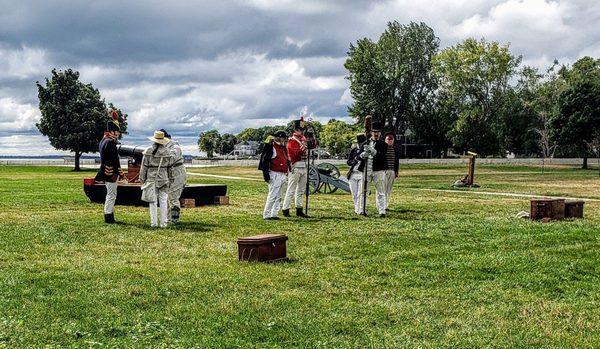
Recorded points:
(327, 188)
(313, 180)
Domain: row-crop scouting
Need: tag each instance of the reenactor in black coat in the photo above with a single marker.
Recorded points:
(110, 165)
(374, 153)
(355, 174)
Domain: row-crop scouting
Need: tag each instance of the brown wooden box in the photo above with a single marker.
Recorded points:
(188, 203)
(541, 208)
(547, 209)
(263, 248)
(574, 209)
(221, 200)
(558, 209)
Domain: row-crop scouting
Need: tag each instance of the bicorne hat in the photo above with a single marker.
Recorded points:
(361, 138)
(113, 123)
(280, 134)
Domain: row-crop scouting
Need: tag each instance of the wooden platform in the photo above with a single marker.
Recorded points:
(129, 194)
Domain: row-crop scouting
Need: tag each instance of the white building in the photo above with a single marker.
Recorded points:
(245, 148)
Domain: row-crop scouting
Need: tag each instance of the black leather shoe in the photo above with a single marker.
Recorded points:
(109, 218)
(286, 213)
(300, 213)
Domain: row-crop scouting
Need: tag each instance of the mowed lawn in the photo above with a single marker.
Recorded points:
(445, 269)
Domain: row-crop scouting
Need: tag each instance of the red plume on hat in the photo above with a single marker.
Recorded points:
(114, 116)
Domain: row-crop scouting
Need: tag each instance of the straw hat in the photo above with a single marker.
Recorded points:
(159, 137)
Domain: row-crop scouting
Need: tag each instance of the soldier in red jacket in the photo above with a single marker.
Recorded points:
(297, 149)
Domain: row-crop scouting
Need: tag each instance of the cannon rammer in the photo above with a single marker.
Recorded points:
(129, 190)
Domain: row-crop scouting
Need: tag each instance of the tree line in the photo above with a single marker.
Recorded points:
(474, 95)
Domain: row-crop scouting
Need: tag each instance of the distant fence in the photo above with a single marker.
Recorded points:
(499, 161)
(254, 163)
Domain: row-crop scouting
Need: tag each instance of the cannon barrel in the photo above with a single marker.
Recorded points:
(136, 152)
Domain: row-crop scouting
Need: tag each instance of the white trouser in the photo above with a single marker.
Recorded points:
(111, 197)
(356, 190)
(390, 176)
(273, 202)
(377, 177)
(175, 190)
(162, 196)
(296, 188)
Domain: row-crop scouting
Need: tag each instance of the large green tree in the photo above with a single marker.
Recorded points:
(475, 75)
(249, 134)
(578, 122)
(209, 141)
(520, 131)
(73, 113)
(227, 143)
(392, 78)
(337, 136)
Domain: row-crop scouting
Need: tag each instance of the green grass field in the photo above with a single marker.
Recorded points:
(445, 269)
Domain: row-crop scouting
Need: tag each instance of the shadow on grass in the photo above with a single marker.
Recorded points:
(185, 227)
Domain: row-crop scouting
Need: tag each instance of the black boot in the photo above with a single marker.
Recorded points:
(109, 218)
(300, 212)
(175, 214)
(286, 213)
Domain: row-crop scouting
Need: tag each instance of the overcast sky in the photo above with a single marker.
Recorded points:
(189, 66)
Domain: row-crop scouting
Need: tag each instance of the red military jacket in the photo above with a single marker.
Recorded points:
(296, 148)
(280, 162)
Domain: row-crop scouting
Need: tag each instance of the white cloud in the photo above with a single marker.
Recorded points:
(295, 6)
(24, 62)
(16, 116)
(297, 43)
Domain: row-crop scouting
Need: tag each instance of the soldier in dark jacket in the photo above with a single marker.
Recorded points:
(355, 173)
(275, 165)
(374, 153)
(110, 165)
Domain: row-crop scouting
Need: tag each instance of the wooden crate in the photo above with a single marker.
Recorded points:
(558, 209)
(541, 208)
(263, 248)
(222, 200)
(188, 203)
(574, 209)
(553, 209)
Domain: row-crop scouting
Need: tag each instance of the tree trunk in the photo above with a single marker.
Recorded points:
(585, 161)
(77, 156)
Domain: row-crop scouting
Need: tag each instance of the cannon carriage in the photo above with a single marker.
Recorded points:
(325, 178)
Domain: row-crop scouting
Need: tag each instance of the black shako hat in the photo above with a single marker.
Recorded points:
(376, 127)
(299, 124)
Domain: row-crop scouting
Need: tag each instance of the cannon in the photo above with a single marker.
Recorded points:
(325, 178)
(129, 191)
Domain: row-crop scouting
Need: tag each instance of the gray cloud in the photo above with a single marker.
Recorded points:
(196, 65)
